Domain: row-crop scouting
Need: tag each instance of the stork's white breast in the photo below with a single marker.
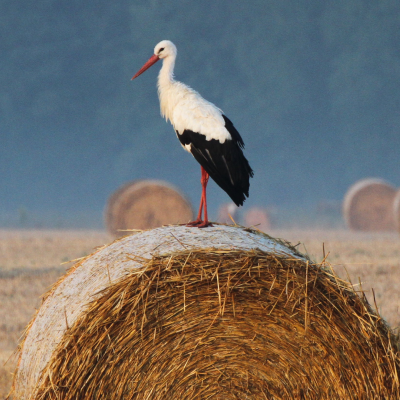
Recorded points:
(191, 111)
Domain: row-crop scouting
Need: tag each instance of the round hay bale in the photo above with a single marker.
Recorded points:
(216, 313)
(368, 206)
(396, 210)
(258, 217)
(145, 205)
(228, 213)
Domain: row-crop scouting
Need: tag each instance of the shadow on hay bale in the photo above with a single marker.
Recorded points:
(144, 205)
(219, 313)
(368, 206)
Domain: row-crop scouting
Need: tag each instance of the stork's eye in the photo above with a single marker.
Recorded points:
(162, 48)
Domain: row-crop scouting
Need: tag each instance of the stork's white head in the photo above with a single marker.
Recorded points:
(162, 50)
(165, 49)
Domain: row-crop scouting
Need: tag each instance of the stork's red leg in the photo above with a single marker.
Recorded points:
(203, 203)
(198, 220)
(200, 209)
(204, 181)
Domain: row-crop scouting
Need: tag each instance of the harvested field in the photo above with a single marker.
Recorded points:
(30, 263)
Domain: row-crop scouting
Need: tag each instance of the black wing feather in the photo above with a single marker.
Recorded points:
(224, 162)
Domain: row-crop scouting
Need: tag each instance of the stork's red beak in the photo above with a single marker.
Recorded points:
(153, 59)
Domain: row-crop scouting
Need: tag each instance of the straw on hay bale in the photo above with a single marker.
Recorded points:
(368, 206)
(144, 205)
(258, 217)
(216, 313)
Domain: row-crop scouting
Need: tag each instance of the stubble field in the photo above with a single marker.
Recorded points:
(31, 261)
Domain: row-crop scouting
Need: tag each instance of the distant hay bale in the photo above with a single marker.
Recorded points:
(228, 213)
(396, 210)
(144, 205)
(368, 206)
(258, 217)
(216, 313)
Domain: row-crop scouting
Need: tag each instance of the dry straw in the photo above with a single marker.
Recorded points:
(212, 323)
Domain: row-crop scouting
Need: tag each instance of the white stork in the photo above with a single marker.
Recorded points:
(203, 130)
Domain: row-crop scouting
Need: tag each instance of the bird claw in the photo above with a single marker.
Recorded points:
(195, 222)
(205, 224)
(198, 223)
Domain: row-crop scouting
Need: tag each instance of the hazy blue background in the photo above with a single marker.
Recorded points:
(312, 86)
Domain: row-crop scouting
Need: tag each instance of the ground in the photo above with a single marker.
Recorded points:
(31, 261)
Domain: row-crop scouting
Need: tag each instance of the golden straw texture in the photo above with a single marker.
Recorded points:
(216, 313)
(222, 324)
(68, 299)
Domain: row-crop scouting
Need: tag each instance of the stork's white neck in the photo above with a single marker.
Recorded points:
(166, 83)
(166, 74)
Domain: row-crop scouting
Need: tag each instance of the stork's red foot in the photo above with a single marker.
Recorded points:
(198, 223)
(205, 224)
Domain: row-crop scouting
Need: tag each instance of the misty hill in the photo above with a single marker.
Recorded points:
(312, 87)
